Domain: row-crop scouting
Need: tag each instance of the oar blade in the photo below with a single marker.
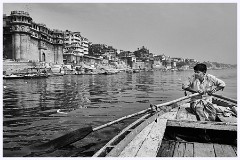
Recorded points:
(65, 140)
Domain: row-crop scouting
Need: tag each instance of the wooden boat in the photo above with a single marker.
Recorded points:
(129, 71)
(111, 71)
(175, 132)
(33, 75)
(136, 70)
(13, 76)
(36, 73)
(57, 74)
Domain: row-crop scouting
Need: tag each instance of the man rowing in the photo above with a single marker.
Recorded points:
(206, 85)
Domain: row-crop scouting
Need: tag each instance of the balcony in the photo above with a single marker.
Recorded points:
(19, 13)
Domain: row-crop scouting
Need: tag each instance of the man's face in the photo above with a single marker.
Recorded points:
(199, 75)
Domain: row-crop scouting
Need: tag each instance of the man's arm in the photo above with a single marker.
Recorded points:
(215, 90)
(220, 85)
(192, 90)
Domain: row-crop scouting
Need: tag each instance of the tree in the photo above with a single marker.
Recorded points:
(180, 64)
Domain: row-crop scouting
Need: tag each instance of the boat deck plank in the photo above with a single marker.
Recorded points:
(166, 149)
(123, 143)
(189, 150)
(203, 150)
(194, 149)
(235, 149)
(222, 150)
(179, 149)
(218, 150)
(150, 146)
(133, 147)
(203, 125)
(169, 115)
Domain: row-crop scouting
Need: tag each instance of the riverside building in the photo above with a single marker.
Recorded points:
(27, 41)
(75, 48)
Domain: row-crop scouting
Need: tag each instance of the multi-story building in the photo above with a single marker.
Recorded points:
(157, 62)
(25, 40)
(129, 58)
(110, 53)
(75, 47)
(143, 55)
(85, 45)
(103, 51)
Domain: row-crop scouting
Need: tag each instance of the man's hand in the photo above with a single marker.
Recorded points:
(200, 91)
(211, 91)
(214, 90)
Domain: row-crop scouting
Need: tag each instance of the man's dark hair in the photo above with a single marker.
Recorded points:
(200, 67)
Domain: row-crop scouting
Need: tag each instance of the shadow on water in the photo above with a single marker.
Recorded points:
(38, 110)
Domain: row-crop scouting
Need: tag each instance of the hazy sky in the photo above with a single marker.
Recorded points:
(203, 31)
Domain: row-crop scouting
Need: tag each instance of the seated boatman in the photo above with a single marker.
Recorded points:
(206, 85)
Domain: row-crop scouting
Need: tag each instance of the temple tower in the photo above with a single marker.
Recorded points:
(21, 23)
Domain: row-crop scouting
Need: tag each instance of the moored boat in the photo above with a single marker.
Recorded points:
(13, 76)
(172, 131)
(31, 76)
(36, 73)
(111, 71)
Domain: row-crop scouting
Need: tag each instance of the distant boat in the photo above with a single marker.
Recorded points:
(57, 74)
(136, 70)
(110, 71)
(36, 73)
(12, 76)
(129, 70)
(30, 76)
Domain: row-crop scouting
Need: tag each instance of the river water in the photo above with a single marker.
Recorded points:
(38, 110)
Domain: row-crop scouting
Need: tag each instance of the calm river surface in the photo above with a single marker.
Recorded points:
(31, 106)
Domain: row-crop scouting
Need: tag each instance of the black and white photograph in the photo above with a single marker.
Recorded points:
(119, 79)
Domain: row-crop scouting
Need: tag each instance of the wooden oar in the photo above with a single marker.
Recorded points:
(83, 132)
(225, 98)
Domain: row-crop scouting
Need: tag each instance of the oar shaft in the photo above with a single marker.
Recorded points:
(120, 119)
(177, 100)
(143, 111)
(225, 98)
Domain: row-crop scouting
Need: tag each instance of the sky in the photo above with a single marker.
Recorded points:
(201, 31)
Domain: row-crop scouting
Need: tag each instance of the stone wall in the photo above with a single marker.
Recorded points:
(22, 47)
(12, 67)
(7, 46)
(33, 54)
(25, 47)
